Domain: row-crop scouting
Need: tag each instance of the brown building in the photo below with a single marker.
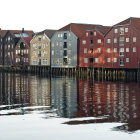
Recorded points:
(40, 48)
(22, 52)
(10, 40)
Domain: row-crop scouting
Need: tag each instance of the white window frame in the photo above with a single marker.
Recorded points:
(134, 49)
(115, 50)
(99, 41)
(96, 60)
(127, 60)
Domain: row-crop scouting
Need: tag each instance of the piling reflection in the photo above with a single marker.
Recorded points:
(73, 97)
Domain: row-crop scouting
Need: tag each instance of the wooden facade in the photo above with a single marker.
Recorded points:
(91, 47)
(22, 52)
(40, 48)
(10, 40)
(122, 45)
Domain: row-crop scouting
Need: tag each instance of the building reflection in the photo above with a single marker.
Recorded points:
(24, 90)
(64, 95)
(40, 91)
(118, 101)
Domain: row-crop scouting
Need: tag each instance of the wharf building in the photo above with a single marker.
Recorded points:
(40, 49)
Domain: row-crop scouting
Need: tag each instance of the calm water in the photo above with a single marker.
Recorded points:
(72, 97)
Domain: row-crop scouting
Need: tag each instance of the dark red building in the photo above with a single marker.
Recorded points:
(22, 52)
(122, 45)
(91, 47)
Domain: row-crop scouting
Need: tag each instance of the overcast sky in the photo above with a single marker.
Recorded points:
(38, 15)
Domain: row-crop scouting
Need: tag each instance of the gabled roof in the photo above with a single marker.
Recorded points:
(3, 33)
(78, 29)
(49, 33)
(131, 21)
(27, 40)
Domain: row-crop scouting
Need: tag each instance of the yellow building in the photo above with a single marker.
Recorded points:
(40, 48)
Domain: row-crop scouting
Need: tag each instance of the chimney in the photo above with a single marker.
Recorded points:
(22, 30)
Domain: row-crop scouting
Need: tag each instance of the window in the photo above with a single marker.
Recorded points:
(52, 52)
(121, 41)
(108, 40)
(85, 60)
(60, 44)
(65, 45)
(115, 30)
(99, 41)
(69, 43)
(44, 61)
(121, 60)
(65, 35)
(65, 52)
(91, 42)
(134, 49)
(115, 60)
(43, 46)
(16, 51)
(134, 39)
(127, 39)
(43, 37)
(57, 43)
(87, 34)
(65, 61)
(115, 49)
(96, 60)
(27, 60)
(69, 52)
(94, 33)
(127, 59)
(122, 31)
(83, 41)
(121, 51)
(91, 50)
(34, 62)
(91, 33)
(59, 35)
(115, 40)
(8, 38)
(47, 43)
(108, 59)
(99, 50)
(126, 30)
(85, 50)
(108, 50)
(39, 38)
(127, 49)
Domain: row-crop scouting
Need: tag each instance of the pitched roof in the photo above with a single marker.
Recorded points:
(78, 29)
(29, 32)
(49, 33)
(131, 21)
(102, 29)
(3, 33)
(27, 40)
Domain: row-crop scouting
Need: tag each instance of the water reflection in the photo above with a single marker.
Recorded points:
(72, 97)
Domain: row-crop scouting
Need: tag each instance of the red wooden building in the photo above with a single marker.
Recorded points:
(91, 48)
(22, 52)
(122, 45)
